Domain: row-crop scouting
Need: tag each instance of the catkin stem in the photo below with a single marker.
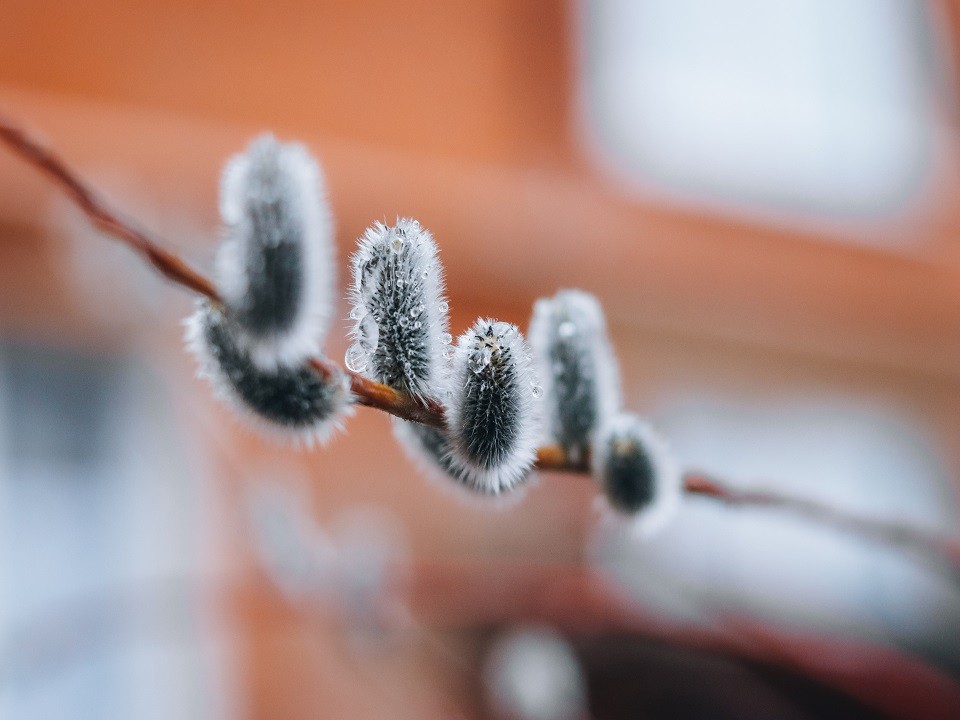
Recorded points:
(943, 552)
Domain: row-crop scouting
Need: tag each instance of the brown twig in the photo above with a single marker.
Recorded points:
(177, 270)
(167, 263)
(945, 551)
(382, 397)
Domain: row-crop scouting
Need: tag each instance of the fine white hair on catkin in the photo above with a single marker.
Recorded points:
(275, 268)
(400, 332)
(493, 421)
(290, 401)
(637, 472)
(400, 315)
(430, 451)
(576, 363)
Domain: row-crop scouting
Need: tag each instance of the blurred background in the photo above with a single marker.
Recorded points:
(766, 198)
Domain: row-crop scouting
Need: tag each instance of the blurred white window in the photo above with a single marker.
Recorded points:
(866, 458)
(101, 546)
(819, 107)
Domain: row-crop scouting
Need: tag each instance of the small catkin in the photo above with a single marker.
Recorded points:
(275, 265)
(573, 356)
(294, 400)
(636, 471)
(401, 317)
(492, 414)
(401, 322)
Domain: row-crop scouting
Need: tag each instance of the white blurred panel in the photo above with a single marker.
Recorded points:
(104, 546)
(865, 459)
(808, 106)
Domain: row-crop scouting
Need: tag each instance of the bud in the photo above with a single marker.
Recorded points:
(492, 419)
(292, 399)
(636, 471)
(401, 316)
(568, 336)
(275, 266)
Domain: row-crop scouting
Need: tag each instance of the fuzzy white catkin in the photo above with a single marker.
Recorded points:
(400, 315)
(574, 359)
(493, 421)
(400, 331)
(637, 472)
(275, 268)
(293, 401)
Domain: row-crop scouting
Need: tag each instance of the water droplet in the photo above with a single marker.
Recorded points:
(414, 311)
(368, 334)
(400, 282)
(566, 330)
(403, 321)
(417, 325)
(425, 274)
(406, 367)
(480, 358)
(368, 273)
(502, 329)
(448, 352)
(357, 312)
(368, 288)
(396, 244)
(356, 358)
(444, 306)
(446, 338)
(536, 390)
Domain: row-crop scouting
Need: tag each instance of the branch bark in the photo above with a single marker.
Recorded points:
(942, 552)
(175, 269)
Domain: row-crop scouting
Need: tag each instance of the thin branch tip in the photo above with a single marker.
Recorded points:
(167, 263)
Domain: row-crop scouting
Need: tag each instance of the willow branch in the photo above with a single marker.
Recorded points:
(944, 551)
(178, 271)
(382, 397)
(167, 263)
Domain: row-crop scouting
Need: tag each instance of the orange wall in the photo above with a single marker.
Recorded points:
(463, 115)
